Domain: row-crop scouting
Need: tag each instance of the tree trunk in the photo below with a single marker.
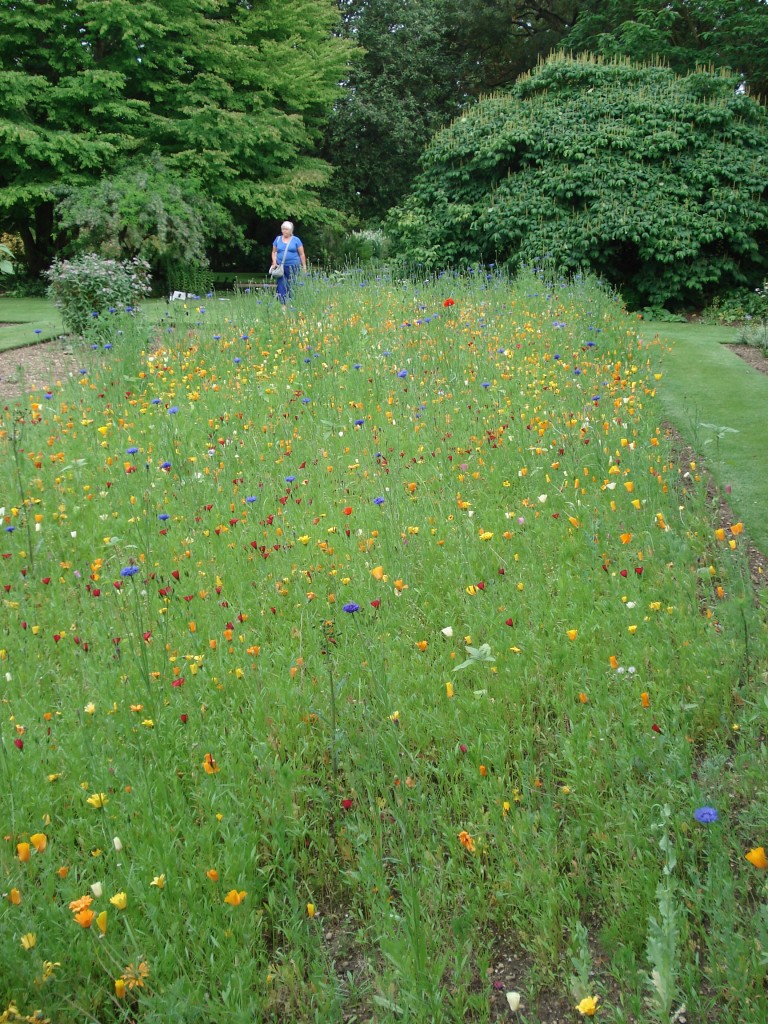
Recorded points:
(39, 246)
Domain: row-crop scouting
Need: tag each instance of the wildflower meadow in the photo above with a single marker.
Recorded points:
(379, 660)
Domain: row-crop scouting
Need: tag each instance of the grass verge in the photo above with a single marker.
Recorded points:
(718, 403)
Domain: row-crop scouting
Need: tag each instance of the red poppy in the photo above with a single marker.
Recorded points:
(449, 302)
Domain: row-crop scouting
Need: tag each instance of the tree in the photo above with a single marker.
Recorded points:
(422, 61)
(653, 181)
(146, 211)
(232, 94)
(722, 33)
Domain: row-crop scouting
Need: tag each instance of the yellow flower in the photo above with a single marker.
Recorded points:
(101, 922)
(14, 897)
(98, 800)
(310, 910)
(85, 917)
(213, 874)
(119, 988)
(588, 1006)
(39, 840)
(158, 881)
(23, 851)
(119, 900)
(235, 898)
(757, 857)
(572, 634)
(29, 940)
(449, 690)
(210, 765)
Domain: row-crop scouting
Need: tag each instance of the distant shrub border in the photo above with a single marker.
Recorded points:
(86, 286)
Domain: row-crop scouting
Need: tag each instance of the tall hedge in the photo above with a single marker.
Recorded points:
(656, 182)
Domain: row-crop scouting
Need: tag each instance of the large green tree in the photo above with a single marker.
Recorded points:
(422, 60)
(656, 182)
(682, 33)
(232, 94)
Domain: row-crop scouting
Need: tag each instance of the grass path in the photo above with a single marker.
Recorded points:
(29, 321)
(705, 383)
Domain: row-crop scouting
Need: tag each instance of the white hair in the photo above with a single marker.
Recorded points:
(287, 225)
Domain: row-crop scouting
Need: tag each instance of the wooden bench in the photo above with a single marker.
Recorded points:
(244, 286)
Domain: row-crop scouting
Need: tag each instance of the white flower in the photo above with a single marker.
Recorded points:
(513, 998)
(447, 632)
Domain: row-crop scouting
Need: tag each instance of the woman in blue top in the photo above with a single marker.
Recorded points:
(288, 250)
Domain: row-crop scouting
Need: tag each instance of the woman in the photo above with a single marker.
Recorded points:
(287, 250)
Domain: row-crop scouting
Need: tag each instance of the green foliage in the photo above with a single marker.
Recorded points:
(719, 33)
(6, 260)
(89, 285)
(654, 182)
(145, 210)
(420, 63)
(335, 248)
(738, 304)
(231, 95)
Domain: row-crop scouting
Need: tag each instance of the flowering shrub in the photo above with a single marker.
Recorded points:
(89, 285)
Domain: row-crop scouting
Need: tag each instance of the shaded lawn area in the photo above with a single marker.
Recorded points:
(29, 321)
(704, 382)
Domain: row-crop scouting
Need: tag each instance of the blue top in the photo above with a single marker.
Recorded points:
(292, 258)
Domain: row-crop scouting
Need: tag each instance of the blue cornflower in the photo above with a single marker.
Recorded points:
(38, 330)
(165, 465)
(485, 384)
(250, 499)
(706, 815)
(132, 450)
(359, 423)
(378, 501)
(129, 570)
(402, 373)
(357, 366)
(290, 479)
(163, 517)
(173, 410)
(155, 401)
(351, 608)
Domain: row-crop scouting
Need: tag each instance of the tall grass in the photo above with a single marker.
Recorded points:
(368, 661)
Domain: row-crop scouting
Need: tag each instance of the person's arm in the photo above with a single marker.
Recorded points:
(302, 257)
(274, 255)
